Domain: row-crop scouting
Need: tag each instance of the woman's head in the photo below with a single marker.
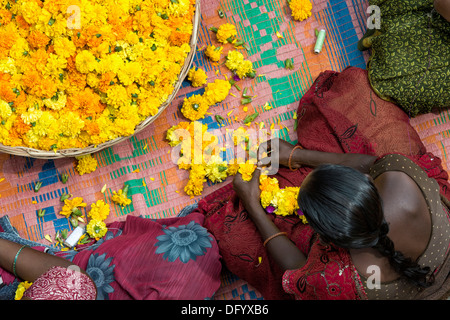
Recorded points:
(343, 206)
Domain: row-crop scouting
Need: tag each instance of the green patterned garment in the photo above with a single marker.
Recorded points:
(410, 58)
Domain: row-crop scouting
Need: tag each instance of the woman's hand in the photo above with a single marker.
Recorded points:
(281, 249)
(276, 150)
(248, 191)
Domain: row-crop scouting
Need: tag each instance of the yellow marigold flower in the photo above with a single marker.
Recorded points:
(285, 201)
(129, 73)
(194, 187)
(57, 102)
(233, 167)
(178, 8)
(72, 205)
(32, 115)
(121, 197)
(8, 65)
(55, 65)
(30, 11)
(70, 124)
(246, 170)
(240, 135)
(96, 229)
(85, 61)
(301, 9)
(197, 77)
(268, 187)
(213, 53)
(86, 164)
(216, 169)
(245, 69)
(23, 286)
(117, 96)
(46, 125)
(184, 129)
(5, 110)
(194, 107)
(234, 59)
(217, 91)
(226, 32)
(64, 47)
(148, 107)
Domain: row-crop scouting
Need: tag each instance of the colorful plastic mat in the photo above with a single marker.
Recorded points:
(157, 187)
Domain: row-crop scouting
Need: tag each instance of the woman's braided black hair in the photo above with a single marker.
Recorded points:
(344, 207)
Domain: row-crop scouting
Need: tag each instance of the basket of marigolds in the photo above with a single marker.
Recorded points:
(79, 76)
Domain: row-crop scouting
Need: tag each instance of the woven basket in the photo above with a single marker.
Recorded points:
(73, 152)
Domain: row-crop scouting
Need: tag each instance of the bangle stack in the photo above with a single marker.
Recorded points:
(15, 260)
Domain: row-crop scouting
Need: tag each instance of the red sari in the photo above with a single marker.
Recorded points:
(340, 113)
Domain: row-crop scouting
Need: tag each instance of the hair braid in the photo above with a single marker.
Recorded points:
(401, 264)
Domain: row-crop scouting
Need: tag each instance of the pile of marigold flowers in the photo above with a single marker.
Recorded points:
(196, 106)
(199, 152)
(69, 81)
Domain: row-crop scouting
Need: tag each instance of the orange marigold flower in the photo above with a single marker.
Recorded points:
(38, 86)
(178, 38)
(87, 102)
(38, 39)
(5, 16)
(19, 128)
(6, 91)
(22, 23)
(77, 79)
(8, 36)
(106, 80)
(91, 128)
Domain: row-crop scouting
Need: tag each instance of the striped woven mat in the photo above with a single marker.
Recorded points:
(157, 187)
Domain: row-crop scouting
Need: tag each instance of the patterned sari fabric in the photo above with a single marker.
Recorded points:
(409, 64)
(142, 259)
(340, 113)
(60, 283)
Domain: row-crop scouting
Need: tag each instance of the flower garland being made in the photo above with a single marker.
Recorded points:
(78, 73)
(281, 201)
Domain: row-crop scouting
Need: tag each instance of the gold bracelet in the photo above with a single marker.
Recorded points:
(274, 236)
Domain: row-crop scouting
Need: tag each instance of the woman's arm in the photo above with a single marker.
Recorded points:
(443, 8)
(283, 151)
(30, 263)
(283, 250)
(311, 158)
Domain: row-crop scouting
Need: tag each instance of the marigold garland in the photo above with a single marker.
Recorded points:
(71, 86)
(281, 201)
